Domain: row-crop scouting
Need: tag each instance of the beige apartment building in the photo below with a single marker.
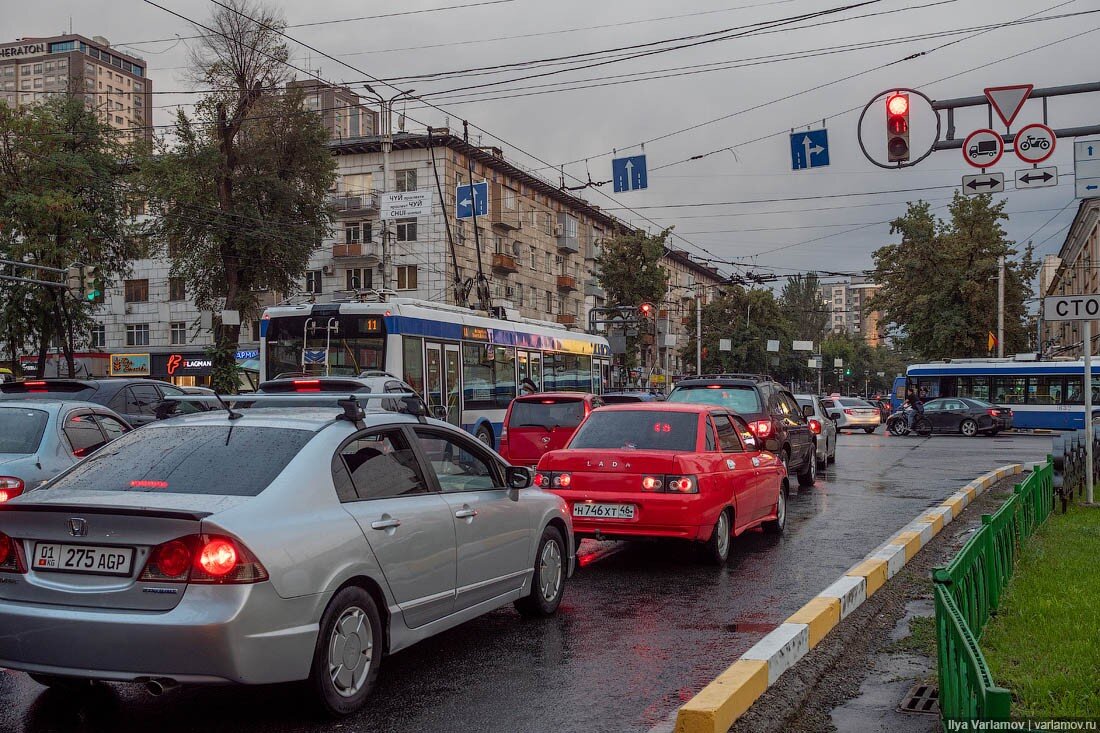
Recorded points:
(112, 83)
(341, 110)
(1075, 271)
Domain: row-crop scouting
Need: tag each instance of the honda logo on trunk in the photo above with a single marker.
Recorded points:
(78, 527)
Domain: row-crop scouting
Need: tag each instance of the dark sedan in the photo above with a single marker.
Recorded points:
(135, 399)
(967, 416)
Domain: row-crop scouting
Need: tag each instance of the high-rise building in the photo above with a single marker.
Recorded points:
(112, 83)
(848, 312)
(342, 111)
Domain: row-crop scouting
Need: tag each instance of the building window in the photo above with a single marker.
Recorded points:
(25, 70)
(406, 277)
(38, 68)
(351, 233)
(509, 198)
(137, 291)
(549, 263)
(406, 230)
(549, 302)
(313, 281)
(359, 278)
(177, 333)
(99, 336)
(534, 260)
(176, 289)
(406, 180)
(137, 334)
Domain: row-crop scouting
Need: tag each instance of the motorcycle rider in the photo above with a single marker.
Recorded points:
(916, 406)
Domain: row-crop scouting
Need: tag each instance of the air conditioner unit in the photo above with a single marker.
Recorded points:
(509, 292)
(559, 230)
(327, 270)
(129, 309)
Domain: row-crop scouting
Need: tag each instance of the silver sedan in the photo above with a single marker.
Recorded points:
(281, 545)
(41, 438)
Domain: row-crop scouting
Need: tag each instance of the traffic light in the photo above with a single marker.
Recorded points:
(847, 371)
(897, 128)
(646, 310)
(91, 285)
(74, 281)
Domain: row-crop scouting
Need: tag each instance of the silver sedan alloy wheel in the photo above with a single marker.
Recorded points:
(550, 571)
(350, 651)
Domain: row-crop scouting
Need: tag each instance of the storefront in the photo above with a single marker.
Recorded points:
(87, 365)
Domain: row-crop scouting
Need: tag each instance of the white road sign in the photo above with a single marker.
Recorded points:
(1008, 101)
(802, 345)
(983, 148)
(1086, 168)
(984, 183)
(406, 204)
(1035, 143)
(773, 345)
(725, 344)
(838, 362)
(1071, 308)
(1037, 177)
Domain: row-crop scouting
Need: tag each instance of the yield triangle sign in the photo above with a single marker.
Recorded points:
(1008, 101)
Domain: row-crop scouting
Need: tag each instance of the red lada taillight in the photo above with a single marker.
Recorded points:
(203, 559)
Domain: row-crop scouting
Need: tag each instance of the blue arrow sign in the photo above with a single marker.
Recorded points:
(809, 149)
(629, 174)
(465, 198)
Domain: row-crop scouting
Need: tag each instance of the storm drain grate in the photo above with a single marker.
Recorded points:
(923, 699)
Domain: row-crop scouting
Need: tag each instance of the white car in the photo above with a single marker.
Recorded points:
(823, 428)
(852, 413)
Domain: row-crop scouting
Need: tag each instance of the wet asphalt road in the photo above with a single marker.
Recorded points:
(642, 628)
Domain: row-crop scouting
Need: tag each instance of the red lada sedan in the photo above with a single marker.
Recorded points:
(676, 470)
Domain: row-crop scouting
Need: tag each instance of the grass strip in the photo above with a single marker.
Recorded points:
(1043, 643)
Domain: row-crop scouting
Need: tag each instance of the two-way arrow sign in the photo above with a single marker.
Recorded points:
(984, 183)
(1037, 177)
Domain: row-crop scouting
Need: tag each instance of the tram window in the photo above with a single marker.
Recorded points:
(1009, 390)
(1045, 390)
(488, 376)
(413, 362)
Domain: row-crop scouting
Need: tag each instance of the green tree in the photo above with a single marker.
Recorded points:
(800, 303)
(939, 285)
(749, 319)
(239, 192)
(63, 201)
(630, 272)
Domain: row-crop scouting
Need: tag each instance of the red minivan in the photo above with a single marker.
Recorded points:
(537, 423)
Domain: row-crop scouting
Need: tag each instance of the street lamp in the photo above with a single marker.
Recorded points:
(387, 145)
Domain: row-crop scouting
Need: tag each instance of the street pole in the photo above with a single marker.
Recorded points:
(387, 145)
(1000, 307)
(698, 332)
(1088, 411)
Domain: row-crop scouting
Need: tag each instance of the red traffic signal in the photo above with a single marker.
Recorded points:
(897, 128)
(646, 310)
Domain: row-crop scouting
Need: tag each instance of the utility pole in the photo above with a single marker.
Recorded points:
(1001, 306)
(698, 331)
(387, 146)
(1087, 326)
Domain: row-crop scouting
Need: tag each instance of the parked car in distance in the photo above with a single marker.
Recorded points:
(330, 390)
(823, 428)
(967, 416)
(538, 423)
(41, 439)
(853, 413)
(135, 399)
(667, 470)
(277, 546)
(769, 409)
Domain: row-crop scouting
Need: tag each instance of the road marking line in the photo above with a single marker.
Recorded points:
(820, 614)
(725, 699)
(781, 648)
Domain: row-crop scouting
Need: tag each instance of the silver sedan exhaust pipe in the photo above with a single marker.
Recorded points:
(158, 686)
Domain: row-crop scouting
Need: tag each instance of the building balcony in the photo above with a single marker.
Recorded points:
(567, 283)
(567, 245)
(504, 263)
(592, 287)
(354, 204)
(511, 221)
(359, 250)
(567, 320)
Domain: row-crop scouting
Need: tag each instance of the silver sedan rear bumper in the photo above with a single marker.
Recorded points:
(216, 634)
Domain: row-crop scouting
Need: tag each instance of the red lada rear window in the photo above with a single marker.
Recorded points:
(638, 430)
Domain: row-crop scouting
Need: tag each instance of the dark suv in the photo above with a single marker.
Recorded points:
(136, 399)
(767, 406)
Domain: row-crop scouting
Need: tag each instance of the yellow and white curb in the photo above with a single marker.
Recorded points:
(715, 708)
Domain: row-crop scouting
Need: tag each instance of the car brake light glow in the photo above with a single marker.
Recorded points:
(548, 402)
(10, 559)
(146, 484)
(815, 426)
(307, 385)
(562, 480)
(662, 427)
(761, 428)
(848, 412)
(682, 485)
(34, 384)
(993, 411)
(541, 481)
(10, 487)
(218, 558)
(172, 559)
(652, 483)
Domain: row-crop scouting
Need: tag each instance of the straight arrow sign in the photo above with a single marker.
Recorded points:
(984, 183)
(1037, 177)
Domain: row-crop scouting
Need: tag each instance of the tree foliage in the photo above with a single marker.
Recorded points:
(239, 191)
(630, 270)
(63, 201)
(800, 301)
(939, 284)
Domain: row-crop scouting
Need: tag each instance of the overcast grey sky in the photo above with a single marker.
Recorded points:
(570, 125)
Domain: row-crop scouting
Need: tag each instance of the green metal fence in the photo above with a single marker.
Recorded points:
(969, 589)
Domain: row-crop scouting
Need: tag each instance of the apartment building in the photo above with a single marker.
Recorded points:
(848, 313)
(1075, 271)
(111, 82)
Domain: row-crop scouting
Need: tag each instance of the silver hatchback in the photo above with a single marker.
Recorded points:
(281, 545)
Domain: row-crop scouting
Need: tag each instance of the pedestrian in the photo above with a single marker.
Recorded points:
(528, 386)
